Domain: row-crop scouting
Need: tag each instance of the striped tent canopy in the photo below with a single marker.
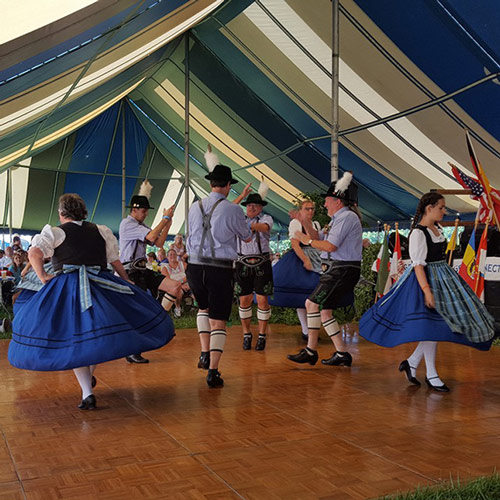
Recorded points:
(76, 91)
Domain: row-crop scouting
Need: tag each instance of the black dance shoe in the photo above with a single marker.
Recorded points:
(304, 357)
(136, 358)
(404, 366)
(338, 359)
(438, 388)
(305, 337)
(204, 361)
(214, 378)
(88, 403)
(261, 343)
(247, 341)
(94, 381)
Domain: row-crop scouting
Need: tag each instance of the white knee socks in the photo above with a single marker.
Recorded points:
(426, 349)
(302, 314)
(84, 377)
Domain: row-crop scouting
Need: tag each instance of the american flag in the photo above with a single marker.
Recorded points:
(478, 192)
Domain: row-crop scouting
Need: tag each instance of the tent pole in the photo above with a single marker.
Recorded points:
(9, 184)
(334, 161)
(186, 131)
(122, 109)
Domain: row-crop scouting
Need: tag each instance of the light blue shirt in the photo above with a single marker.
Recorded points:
(228, 222)
(346, 234)
(252, 248)
(132, 239)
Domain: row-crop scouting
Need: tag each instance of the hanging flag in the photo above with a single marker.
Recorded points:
(397, 267)
(452, 244)
(468, 267)
(481, 264)
(485, 183)
(383, 271)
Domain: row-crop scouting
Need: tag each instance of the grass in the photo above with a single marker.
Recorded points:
(483, 488)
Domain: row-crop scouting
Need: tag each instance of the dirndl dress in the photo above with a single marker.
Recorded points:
(401, 316)
(84, 316)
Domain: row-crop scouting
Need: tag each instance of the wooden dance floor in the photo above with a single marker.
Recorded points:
(275, 431)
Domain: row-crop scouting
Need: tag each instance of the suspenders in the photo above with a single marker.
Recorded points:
(207, 229)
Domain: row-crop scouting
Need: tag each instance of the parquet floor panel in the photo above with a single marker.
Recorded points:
(275, 431)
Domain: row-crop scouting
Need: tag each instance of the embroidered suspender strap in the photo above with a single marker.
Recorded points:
(207, 228)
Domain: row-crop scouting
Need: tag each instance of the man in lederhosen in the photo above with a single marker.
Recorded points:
(341, 252)
(134, 235)
(253, 272)
(214, 224)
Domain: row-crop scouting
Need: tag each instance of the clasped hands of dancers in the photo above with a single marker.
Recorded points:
(80, 315)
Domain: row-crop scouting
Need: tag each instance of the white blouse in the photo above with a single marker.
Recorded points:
(418, 245)
(295, 225)
(51, 237)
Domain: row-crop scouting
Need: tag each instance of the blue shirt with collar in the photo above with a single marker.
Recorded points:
(252, 247)
(228, 223)
(132, 239)
(346, 234)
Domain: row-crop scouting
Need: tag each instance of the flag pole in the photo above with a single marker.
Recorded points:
(454, 235)
(481, 176)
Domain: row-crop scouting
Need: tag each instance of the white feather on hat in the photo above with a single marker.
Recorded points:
(343, 183)
(263, 189)
(145, 189)
(211, 159)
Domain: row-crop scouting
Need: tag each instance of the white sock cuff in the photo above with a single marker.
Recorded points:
(217, 340)
(263, 314)
(331, 327)
(313, 321)
(203, 322)
(245, 312)
(168, 301)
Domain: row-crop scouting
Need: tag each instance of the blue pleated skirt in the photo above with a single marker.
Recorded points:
(401, 316)
(292, 282)
(50, 331)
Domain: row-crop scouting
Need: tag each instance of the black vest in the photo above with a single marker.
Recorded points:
(83, 245)
(435, 251)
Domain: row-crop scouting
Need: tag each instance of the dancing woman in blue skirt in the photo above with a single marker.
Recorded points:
(429, 303)
(82, 314)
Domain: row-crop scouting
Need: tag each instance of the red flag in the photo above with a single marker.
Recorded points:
(485, 183)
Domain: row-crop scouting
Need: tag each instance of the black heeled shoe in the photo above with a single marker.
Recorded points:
(89, 403)
(204, 361)
(304, 357)
(261, 343)
(438, 388)
(338, 359)
(404, 366)
(247, 341)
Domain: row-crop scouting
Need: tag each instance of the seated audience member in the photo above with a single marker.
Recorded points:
(152, 261)
(276, 258)
(5, 258)
(17, 267)
(162, 256)
(179, 247)
(175, 269)
(16, 244)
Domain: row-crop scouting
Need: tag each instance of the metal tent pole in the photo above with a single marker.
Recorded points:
(334, 161)
(9, 184)
(186, 130)
(122, 110)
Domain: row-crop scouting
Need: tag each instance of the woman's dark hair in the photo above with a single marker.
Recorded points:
(431, 199)
(72, 207)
